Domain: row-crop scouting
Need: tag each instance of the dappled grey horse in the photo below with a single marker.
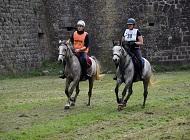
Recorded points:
(125, 74)
(73, 72)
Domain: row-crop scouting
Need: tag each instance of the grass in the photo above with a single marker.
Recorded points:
(33, 109)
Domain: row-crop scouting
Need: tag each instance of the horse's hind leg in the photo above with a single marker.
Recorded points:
(91, 82)
(145, 84)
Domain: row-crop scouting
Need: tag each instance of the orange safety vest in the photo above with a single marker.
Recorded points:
(79, 41)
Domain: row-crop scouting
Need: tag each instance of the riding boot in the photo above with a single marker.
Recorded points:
(84, 72)
(62, 76)
(140, 70)
(115, 77)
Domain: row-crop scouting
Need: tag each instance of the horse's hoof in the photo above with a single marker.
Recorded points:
(124, 104)
(87, 104)
(72, 99)
(143, 106)
(120, 107)
(66, 107)
(72, 104)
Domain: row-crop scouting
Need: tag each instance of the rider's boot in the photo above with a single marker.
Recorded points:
(115, 77)
(62, 76)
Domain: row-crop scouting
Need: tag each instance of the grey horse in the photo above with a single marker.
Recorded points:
(125, 74)
(73, 72)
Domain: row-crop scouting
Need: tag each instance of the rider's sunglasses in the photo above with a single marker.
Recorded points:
(79, 26)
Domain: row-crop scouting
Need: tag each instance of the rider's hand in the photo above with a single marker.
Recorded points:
(77, 50)
(132, 43)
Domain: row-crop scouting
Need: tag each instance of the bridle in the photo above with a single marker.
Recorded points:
(66, 51)
(116, 54)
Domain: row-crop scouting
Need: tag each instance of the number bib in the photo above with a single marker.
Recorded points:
(130, 35)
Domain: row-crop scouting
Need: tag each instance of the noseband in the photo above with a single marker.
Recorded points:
(118, 54)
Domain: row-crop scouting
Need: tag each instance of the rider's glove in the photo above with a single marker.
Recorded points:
(131, 43)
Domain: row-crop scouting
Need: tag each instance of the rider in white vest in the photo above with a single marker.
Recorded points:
(132, 41)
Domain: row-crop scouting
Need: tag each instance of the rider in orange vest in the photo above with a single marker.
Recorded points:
(80, 41)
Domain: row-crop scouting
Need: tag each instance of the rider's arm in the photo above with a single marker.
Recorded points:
(139, 38)
(86, 43)
(72, 38)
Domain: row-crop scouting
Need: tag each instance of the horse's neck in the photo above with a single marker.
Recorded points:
(125, 60)
(69, 58)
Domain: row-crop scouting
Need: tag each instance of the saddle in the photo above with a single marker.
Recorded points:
(89, 62)
(138, 72)
(87, 70)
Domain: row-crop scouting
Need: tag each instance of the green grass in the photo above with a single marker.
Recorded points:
(33, 109)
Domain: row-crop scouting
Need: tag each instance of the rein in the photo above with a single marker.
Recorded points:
(121, 67)
(68, 49)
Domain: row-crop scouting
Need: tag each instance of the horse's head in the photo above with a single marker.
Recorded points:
(118, 52)
(62, 50)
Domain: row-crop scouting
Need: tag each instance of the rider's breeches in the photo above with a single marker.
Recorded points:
(83, 61)
(137, 53)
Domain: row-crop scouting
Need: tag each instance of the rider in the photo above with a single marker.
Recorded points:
(132, 41)
(80, 41)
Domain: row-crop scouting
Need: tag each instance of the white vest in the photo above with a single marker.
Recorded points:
(130, 35)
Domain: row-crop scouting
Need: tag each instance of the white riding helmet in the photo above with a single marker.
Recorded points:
(81, 22)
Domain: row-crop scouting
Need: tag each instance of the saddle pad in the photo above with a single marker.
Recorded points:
(92, 69)
(89, 62)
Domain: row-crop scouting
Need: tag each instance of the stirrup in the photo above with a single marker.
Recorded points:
(62, 76)
(115, 78)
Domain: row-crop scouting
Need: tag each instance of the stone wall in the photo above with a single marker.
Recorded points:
(165, 26)
(163, 23)
(30, 29)
(24, 40)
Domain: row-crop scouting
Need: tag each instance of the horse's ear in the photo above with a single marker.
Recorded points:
(120, 42)
(116, 42)
(68, 41)
(60, 41)
(113, 41)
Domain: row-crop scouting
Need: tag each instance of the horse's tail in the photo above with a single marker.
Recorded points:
(97, 75)
(152, 80)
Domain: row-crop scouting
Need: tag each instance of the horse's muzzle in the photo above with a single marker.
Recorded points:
(60, 59)
(115, 60)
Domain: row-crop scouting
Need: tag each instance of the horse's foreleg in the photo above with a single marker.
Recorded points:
(116, 92)
(67, 88)
(124, 93)
(145, 84)
(73, 99)
(69, 92)
(67, 106)
(73, 85)
(130, 91)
